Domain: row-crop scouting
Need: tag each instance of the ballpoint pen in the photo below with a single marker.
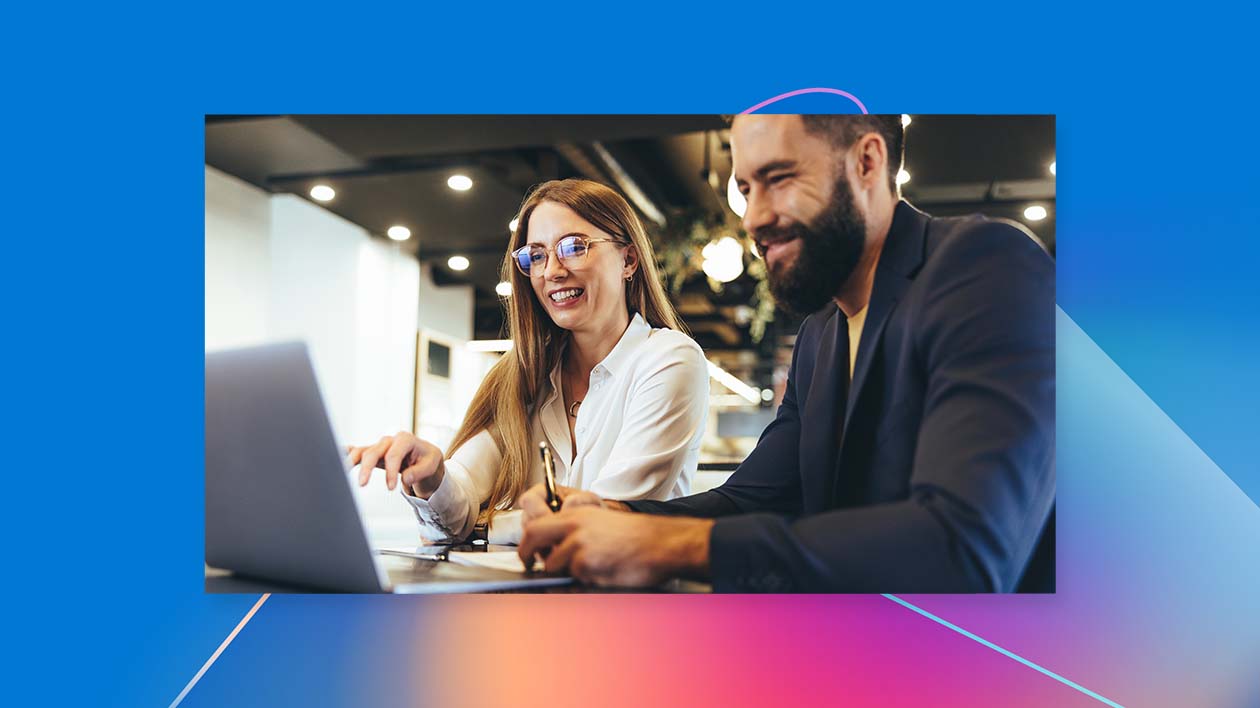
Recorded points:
(549, 477)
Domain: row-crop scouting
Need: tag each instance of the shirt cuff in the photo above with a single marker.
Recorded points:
(444, 514)
(505, 528)
(743, 553)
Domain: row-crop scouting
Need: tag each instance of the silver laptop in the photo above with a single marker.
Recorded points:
(279, 505)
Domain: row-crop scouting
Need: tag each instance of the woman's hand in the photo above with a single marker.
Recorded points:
(417, 462)
(533, 502)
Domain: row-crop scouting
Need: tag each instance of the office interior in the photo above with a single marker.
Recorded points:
(378, 240)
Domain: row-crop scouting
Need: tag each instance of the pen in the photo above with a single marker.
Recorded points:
(549, 477)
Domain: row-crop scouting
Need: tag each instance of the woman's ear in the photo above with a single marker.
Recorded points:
(631, 263)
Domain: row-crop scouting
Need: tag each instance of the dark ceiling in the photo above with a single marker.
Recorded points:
(389, 170)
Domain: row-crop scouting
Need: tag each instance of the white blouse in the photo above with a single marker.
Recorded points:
(638, 436)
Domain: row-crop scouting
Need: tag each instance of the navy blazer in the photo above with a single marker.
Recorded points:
(934, 470)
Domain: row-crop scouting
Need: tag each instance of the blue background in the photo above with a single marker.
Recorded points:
(102, 276)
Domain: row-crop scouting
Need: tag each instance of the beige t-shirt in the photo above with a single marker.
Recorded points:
(855, 337)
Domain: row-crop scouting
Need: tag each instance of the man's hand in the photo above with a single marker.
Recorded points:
(533, 503)
(418, 463)
(617, 548)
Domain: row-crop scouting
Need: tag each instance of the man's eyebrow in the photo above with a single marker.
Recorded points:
(769, 167)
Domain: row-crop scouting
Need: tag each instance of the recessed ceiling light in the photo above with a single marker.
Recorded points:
(513, 224)
(902, 177)
(457, 263)
(1051, 168)
(905, 120)
(767, 394)
(1035, 213)
(399, 233)
(322, 193)
(459, 183)
(504, 289)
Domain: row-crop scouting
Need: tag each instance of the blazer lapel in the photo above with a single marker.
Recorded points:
(822, 415)
(898, 263)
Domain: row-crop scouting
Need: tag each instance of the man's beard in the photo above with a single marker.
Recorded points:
(830, 249)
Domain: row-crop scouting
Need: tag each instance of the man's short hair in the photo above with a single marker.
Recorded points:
(843, 130)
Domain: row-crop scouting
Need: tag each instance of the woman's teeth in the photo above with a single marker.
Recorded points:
(565, 295)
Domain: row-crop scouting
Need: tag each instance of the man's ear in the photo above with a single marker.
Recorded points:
(872, 159)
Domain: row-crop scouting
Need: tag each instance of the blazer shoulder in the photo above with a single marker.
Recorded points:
(967, 245)
(953, 236)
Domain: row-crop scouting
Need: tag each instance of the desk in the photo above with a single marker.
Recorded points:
(223, 581)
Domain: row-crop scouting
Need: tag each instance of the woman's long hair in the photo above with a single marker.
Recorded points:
(517, 383)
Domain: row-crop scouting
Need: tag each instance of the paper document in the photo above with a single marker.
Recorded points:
(418, 552)
(499, 560)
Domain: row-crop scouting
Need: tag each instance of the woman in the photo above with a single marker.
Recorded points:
(599, 368)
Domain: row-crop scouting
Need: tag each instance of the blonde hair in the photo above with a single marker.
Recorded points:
(516, 383)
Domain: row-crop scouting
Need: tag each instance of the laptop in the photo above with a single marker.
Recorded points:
(279, 501)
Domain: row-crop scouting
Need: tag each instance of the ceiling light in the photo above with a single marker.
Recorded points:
(723, 259)
(513, 224)
(1035, 213)
(457, 263)
(459, 183)
(767, 394)
(724, 247)
(504, 289)
(905, 120)
(399, 233)
(723, 271)
(902, 177)
(738, 203)
(322, 193)
(1051, 168)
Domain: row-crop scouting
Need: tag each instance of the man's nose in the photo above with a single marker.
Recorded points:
(758, 213)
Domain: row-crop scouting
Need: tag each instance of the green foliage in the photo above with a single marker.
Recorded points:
(679, 243)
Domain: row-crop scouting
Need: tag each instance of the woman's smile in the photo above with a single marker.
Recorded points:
(565, 297)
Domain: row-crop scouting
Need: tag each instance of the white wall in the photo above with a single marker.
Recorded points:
(281, 268)
(238, 258)
(446, 316)
(353, 300)
(447, 310)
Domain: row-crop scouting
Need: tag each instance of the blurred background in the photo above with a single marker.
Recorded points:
(378, 240)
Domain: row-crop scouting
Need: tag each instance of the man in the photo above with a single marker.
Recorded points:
(914, 448)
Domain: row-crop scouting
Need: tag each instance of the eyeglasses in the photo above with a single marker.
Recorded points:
(571, 250)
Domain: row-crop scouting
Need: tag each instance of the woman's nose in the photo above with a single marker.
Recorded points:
(554, 268)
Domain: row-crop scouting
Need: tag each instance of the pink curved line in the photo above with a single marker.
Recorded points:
(799, 92)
